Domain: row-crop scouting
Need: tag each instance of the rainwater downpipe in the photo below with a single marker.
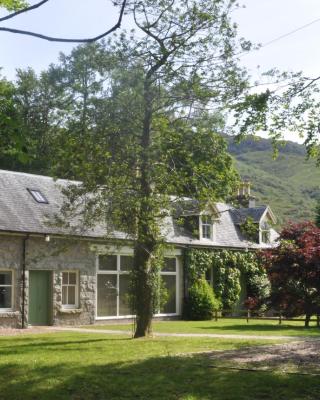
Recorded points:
(24, 247)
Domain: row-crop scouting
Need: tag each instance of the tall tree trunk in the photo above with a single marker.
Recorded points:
(146, 242)
(143, 291)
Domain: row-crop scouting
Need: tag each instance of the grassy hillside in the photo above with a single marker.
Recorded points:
(290, 184)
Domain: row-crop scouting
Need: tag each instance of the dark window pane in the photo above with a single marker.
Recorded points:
(206, 231)
(64, 295)
(65, 278)
(5, 297)
(208, 275)
(124, 307)
(108, 263)
(169, 265)
(71, 295)
(126, 263)
(5, 278)
(72, 278)
(107, 295)
(170, 285)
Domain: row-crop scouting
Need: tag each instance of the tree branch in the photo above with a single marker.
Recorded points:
(14, 14)
(64, 40)
(311, 82)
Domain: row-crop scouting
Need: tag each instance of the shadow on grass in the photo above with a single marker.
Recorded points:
(158, 378)
(263, 328)
(28, 345)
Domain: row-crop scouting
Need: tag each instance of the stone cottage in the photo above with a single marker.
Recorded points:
(51, 277)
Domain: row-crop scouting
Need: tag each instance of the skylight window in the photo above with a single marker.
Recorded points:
(38, 196)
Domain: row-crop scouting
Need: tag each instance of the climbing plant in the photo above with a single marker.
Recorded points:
(250, 229)
(228, 267)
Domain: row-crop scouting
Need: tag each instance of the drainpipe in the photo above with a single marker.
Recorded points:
(24, 246)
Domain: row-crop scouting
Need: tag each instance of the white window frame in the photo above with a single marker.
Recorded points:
(76, 285)
(203, 224)
(263, 228)
(262, 232)
(38, 196)
(176, 274)
(118, 272)
(3, 310)
(129, 252)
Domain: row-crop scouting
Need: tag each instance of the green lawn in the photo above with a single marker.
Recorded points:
(94, 366)
(226, 326)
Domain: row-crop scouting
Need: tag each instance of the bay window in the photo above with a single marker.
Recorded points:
(113, 282)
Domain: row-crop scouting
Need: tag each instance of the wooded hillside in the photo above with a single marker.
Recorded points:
(290, 184)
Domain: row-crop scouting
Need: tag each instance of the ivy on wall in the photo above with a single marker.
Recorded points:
(228, 267)
(250, 230)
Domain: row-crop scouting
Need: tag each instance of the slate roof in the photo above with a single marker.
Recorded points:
(19, 212)
(255, 213)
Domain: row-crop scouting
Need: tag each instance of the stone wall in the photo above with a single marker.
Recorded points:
(57, 255)
(11, 259)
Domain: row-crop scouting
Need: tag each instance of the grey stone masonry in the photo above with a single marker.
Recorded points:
(56, 256)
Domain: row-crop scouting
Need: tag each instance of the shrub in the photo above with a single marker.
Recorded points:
(201, 303)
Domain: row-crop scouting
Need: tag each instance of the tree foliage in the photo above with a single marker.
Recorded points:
(290, 104)
(317, 218)
(13, 5)
(294, 270)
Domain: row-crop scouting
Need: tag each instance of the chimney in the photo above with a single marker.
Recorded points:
(244, 198)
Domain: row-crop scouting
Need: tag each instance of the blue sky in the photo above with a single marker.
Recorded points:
(261, 21)
(264, 20)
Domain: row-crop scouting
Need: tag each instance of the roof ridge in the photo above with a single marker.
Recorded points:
(35, 175)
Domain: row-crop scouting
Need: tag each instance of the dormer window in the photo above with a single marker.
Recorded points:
(38, 196)
(264, 232)
(206, 227)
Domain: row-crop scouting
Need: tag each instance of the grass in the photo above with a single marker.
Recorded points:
(227, 326)
(82, 366)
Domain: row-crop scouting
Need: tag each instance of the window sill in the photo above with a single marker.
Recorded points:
(70, 310)
(8, 313)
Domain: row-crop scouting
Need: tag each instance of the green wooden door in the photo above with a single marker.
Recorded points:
(39, 297)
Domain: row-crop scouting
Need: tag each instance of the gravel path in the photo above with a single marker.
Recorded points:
(301, 357)
(28, 331)
(51, 329)
(190, 335)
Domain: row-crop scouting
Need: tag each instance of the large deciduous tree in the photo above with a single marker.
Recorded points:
(294, 271)
(136, 121)
(134, 126)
